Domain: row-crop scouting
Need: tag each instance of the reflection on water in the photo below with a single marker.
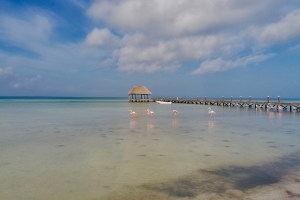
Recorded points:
(150, 124)
(175, 121)
(132, 123)
(211, 123)
(74, 151)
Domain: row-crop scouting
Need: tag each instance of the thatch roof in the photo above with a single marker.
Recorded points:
(139, 90)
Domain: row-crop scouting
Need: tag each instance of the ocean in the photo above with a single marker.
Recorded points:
(92, 148)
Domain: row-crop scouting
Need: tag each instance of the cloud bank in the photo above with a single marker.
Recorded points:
(164, 35)
(106, 38)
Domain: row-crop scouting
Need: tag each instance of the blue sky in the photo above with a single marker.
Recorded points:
(185, 48)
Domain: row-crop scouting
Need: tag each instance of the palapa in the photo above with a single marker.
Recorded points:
(139, 90)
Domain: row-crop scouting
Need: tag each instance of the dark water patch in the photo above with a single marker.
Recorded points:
(297, 180)
(226, 146)
(218, 181)
(121, 138)
(187, 187)
(57, 131)
(225, 140)
(215, 182)
(275, 147)
(60, 145)
(142, 155)
(207, 155)
(246, 134)
(155, 139)
(106, 187)
(291, 145)
(292, 194)
(269, 142)
(161, 155)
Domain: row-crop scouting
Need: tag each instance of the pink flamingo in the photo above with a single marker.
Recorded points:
(175, 112)
(211, 112)
(151, 113)
(133, 113)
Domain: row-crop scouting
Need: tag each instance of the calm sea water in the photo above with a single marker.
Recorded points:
(91, 148)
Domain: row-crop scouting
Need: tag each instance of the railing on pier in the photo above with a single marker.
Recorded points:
(140, 100)
(295, 106)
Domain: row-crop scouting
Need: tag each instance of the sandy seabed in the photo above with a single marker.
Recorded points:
(288, 188)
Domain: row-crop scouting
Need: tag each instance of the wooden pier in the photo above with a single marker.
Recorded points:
(276, 106)
(141, 100)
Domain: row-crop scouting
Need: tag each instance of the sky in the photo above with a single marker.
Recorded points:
(176, 48)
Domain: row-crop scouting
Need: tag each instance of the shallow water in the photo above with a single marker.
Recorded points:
(93, 149)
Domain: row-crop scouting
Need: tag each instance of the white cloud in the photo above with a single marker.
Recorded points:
(179, 17)
(5, 71)
(218, 65)
(286, 29)
(28, 32)
(163, 35)
(12, 80)
(140, 53)
(102, 37)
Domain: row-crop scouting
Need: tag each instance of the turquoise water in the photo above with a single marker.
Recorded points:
(91, 148)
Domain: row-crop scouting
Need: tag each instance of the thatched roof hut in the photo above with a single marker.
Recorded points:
(139, 90)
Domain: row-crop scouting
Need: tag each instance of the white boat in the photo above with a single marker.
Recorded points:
(163, 102)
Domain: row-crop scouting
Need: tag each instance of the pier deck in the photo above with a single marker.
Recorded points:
(244, 104)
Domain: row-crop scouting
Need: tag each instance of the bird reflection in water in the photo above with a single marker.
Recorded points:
(270, 114)
(279, 115)
(175, 121)
(132, 123)
(211, 123)
(150, 125)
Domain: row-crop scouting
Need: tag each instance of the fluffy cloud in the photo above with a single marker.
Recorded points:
(139, 53)
(179, 17)
(9, 79)
(5, 71)
(284, 30)
(29, 32)
(163, 35)
(218, 65)
(103, 38)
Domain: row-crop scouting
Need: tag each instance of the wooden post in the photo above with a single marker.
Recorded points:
(205, 98)
(241, 98)
(250, 98)
(223, 98)
(231, 98)
(278, 99)
(268, 99)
